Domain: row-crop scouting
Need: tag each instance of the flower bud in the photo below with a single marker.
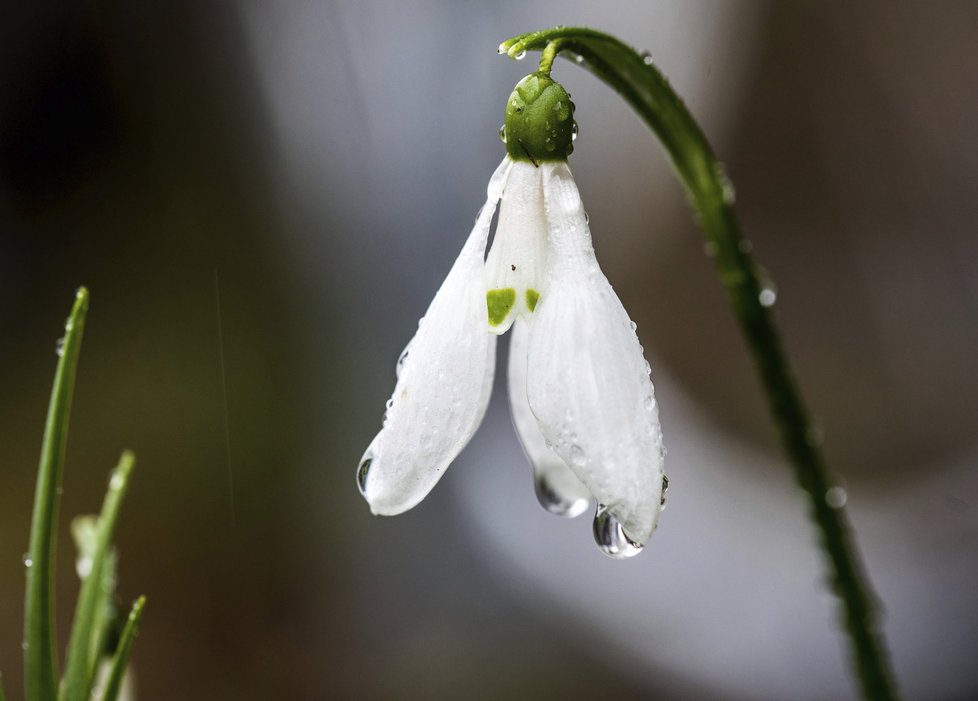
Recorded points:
(539, 121)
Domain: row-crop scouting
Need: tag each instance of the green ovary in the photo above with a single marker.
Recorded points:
(532, 297)
(499, 302)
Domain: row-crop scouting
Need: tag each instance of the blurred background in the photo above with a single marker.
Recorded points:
(263, 198)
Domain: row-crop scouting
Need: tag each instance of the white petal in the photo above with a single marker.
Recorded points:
(557, 488)
(443, 384)
(515, 266)
(588, 383)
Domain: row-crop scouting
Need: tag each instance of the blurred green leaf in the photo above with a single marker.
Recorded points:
(121, 658)
(40, 654)
(84, 530)
(88, 627)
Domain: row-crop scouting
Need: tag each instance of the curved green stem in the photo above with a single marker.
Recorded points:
(647, 91)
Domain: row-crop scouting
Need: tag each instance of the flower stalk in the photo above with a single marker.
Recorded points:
(647, 91)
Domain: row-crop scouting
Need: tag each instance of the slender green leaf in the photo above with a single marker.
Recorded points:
(121, 658)
(82, 658)
(2, 697)
(647, 91)
(84, 530)
(40, 654)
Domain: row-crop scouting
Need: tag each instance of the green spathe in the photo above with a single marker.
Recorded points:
(539, 120)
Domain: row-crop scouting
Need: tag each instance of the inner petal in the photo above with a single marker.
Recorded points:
(516, 262)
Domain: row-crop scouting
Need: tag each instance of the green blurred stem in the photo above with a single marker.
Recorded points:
(82, 659)
(121, 658)
(634, 77)
(2, 697)
(40, 654)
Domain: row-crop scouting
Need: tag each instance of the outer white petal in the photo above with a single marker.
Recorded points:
(588, 383)
(557, 488)
(443, 385)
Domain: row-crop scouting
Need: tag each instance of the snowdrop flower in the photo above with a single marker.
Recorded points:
(579, 388)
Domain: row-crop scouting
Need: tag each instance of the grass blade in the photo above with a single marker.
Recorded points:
(40, 654)
(121, 659)
(82, 656)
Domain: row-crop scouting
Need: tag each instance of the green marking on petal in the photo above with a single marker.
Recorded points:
(499, 302)
(532, 296)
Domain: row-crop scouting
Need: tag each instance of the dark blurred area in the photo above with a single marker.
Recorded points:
(262, 198)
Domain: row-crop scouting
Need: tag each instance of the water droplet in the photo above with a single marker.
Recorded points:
(117, 481)
(577, 456)
(554, 502)
(836, 497)
(647, 58)
(83, 566)
(501, 49)
(59, 347)
(633, 325)
(587, 217)
(611, 538)
(69, 324)
(650, 403)
(665, 488)
(28, 560)
(726, 187)
(362, 472)
(401, 360)
(502, 133)
(390, 403)
(521, 55)
(574, 131)
(767, 296)
(24, 645)
(578, 59)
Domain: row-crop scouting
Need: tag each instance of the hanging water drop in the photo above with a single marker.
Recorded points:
(611, 538)
(665, 488)
(574, 131)
(502, 133)
(767, 296)
(59, 347)
(553, 501)
(587, 217)
(521, 55)
(28, 560)
(362, 472)
(647, 58)
(501, 49)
